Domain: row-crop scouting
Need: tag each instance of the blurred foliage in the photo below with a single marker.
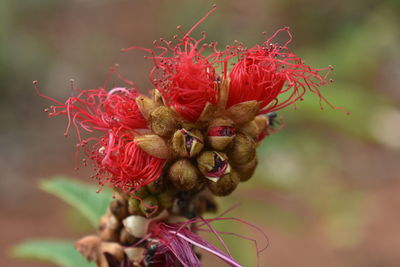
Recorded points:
(58, 252)
(82, 197)
(314, 173)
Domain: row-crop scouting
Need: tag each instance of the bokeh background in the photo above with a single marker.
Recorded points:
(327, 191)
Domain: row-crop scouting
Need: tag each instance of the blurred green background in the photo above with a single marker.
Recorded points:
(327, 191)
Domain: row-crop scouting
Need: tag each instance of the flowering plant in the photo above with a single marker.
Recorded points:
(167, 155)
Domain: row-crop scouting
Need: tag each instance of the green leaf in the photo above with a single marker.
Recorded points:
(81, 196)
(59, 252)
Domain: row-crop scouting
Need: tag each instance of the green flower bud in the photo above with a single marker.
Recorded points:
(243, 112)
(149, 206)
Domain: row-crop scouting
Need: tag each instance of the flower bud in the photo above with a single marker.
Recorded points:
(133, 206)
(156, 187)
(162, 121)
(225, 185)
(89, 247)
(145, 105)
(246, 170)
(149, 206)
(135, 254)
(112, 248)
(213, 165)
(187, 143)
(137, 225)
(153, 145)
(108, 228)
(243, 112)
(220, 133)
(183, 175)
(141, 192)
(126, 238)
(157, 97)
(251, 129)
(242, 150)
(119, 208)
(165, 199)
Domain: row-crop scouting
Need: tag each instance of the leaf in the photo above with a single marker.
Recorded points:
(59, 252)
(81, 196)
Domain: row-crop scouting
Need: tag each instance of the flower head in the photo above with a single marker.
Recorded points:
(116, 156)
(266, 71)
(185, 78)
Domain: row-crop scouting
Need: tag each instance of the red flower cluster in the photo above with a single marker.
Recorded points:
(117, 117)
(266, 71)
(188, 83)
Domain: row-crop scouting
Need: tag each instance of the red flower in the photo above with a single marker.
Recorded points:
(122, 163)
(115, 114)
(184, 77)
(267, 71)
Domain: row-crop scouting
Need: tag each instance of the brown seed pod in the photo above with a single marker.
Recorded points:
(220, 133)
(112, 248)
(225, 185)
(187, 143)
(243, 112)
(149, 206)
(109, 227)
(145, 105)
(89, 247)
(183, 175)
(153, 145)
(246, 170)
(119, 208)
(162, 121)
(213, 164)
(243, 149)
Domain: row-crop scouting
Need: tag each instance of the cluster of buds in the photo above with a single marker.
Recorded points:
(194, 137)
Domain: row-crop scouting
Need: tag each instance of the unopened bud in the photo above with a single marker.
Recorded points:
(243, 149)
(133, 206)
(119, 208)
(135, 254)
(89, 247)
(187, 143)
(165, 199)
(162, 121)
(213, 165)
(220, 133)
(153, 145)
(183, 175)
(149, 206)
(225, 185)
(114, 249)
(243, 112)
(246, 170)
(251, 129)
(145, 105)
(156, 187)
(137, 225)
(126, 238)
